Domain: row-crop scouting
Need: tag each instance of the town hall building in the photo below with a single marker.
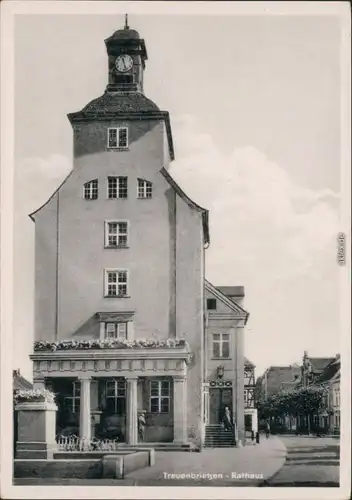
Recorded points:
(125, 320)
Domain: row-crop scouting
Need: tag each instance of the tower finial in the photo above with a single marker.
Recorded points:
(126, 22)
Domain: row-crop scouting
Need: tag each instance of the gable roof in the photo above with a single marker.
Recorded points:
(31, 215)
(190, 203)
(248, 363)
(225, 300)
(232, 291)
(331, 370)
(318, 364)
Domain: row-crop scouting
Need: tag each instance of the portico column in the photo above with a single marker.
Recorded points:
(132, 417)
(84, 415)
(102, 330)
(180, 409)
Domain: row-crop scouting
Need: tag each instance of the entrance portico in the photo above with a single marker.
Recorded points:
(153, 380)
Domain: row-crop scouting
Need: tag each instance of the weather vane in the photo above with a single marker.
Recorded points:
(126, 22)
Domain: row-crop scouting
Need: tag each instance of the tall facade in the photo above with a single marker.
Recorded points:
(120, 305)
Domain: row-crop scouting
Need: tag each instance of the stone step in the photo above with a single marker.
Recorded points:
(215, 443)
(162, 446)
(221, 440)
(217, 433)
(217, 436)
(219, 446)
(217, 430)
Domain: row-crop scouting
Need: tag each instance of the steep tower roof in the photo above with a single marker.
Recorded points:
(124, 97)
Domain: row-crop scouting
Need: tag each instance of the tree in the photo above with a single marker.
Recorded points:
(308, 401)
(304, 401)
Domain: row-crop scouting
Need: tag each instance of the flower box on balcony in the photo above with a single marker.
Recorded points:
(34, 396)
(44, 345)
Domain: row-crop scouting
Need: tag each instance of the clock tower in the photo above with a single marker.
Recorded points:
(126, 59)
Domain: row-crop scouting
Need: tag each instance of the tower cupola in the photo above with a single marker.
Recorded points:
(126, 60)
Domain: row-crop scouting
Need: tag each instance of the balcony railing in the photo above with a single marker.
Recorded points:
(75, 443)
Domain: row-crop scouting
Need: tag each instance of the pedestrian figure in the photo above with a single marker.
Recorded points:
(227, 420)
(141, 426)
(267, 430)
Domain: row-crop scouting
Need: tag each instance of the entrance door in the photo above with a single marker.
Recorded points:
(218, 399)
(248, 425)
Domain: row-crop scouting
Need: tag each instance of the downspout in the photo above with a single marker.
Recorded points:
(57, 267)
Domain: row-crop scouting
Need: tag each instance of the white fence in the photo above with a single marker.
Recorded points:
(75, 443)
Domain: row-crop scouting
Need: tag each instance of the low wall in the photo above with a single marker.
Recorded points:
(86, 465)
(135, 461)
(79, 455)
(80, 469)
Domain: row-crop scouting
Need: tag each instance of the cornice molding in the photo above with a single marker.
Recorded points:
(36, 406)
(130, 354)
(238, 310)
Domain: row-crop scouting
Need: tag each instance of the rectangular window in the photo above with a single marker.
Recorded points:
(211, 304)
(116, 331)
(117, 187)
(116, 234)
(124, 79)
(116, 283)
(90, 190)
(118, 138)
(145, 189)
(72, 402)
(221, 345)
(245, 397)
(116, 396)
(159, 396)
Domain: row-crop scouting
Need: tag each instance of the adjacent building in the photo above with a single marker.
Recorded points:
(125, 320)
(313, 371)
(250, 410)
(329, 417)
(272, 379)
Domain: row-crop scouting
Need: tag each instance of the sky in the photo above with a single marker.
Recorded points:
(255, 111)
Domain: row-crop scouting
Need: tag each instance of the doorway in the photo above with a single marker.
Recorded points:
(218, 399)
(248, 424)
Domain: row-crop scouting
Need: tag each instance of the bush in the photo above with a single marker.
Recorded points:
(33, 396)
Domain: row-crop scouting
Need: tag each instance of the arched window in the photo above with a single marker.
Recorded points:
(145, 189)
(90, 190)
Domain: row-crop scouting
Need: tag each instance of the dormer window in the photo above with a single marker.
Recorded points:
(145, 189)
(118, 138)
(90, 190)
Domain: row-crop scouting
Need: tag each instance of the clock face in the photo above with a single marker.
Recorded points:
(124, 63)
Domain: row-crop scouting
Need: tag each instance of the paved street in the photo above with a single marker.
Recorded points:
(262, 460)
(311, 461)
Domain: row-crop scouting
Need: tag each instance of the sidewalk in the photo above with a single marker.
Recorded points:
(264, 460)
(310, 462)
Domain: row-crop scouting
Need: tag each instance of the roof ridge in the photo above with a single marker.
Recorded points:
(189, 201)
(226, 299)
